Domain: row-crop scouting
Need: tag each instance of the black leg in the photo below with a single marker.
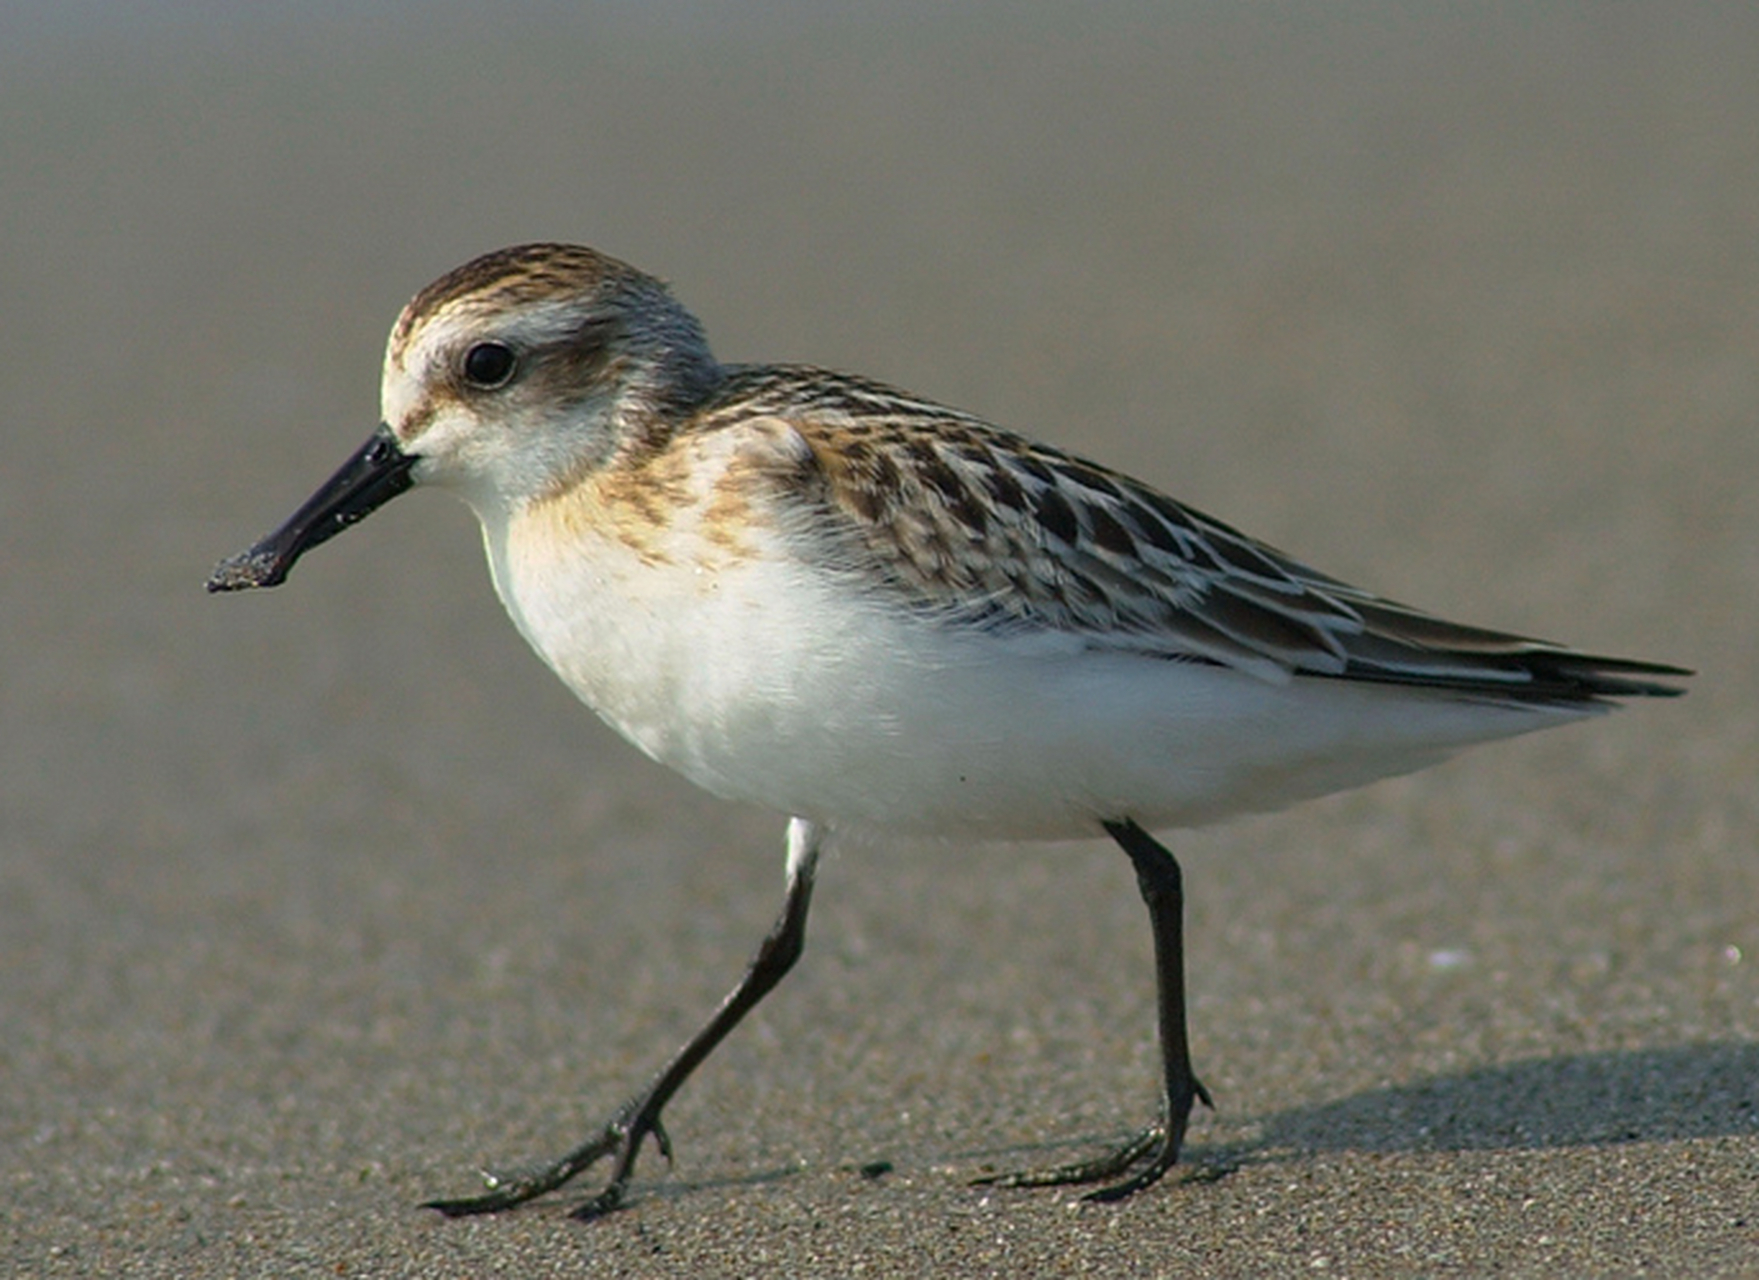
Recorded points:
(638, 1118)
(1157, 875)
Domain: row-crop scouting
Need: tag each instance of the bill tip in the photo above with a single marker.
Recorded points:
(244, 571)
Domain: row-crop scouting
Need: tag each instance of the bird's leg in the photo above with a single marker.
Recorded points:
(622, 1136)
(1157, 875)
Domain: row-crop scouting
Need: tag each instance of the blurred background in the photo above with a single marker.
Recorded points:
(310, 899)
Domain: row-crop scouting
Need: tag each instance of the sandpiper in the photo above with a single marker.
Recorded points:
(869, 611)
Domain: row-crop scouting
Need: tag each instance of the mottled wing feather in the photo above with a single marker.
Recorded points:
(965, 521)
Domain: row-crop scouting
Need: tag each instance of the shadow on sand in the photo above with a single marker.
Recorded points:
(1593, 1099)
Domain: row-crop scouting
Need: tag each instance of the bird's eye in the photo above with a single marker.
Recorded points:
(489, 365)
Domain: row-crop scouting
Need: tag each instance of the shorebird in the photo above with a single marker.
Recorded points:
(869, 611)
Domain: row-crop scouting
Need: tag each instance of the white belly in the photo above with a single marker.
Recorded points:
(764, 683)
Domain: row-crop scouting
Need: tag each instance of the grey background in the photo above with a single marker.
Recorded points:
(312, 899)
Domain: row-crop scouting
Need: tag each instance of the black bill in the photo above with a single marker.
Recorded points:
(377, 472)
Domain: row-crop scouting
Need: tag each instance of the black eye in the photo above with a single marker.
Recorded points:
(488, 365)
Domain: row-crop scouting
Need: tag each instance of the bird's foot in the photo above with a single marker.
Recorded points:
(1158, 1144)
(621, 1139)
